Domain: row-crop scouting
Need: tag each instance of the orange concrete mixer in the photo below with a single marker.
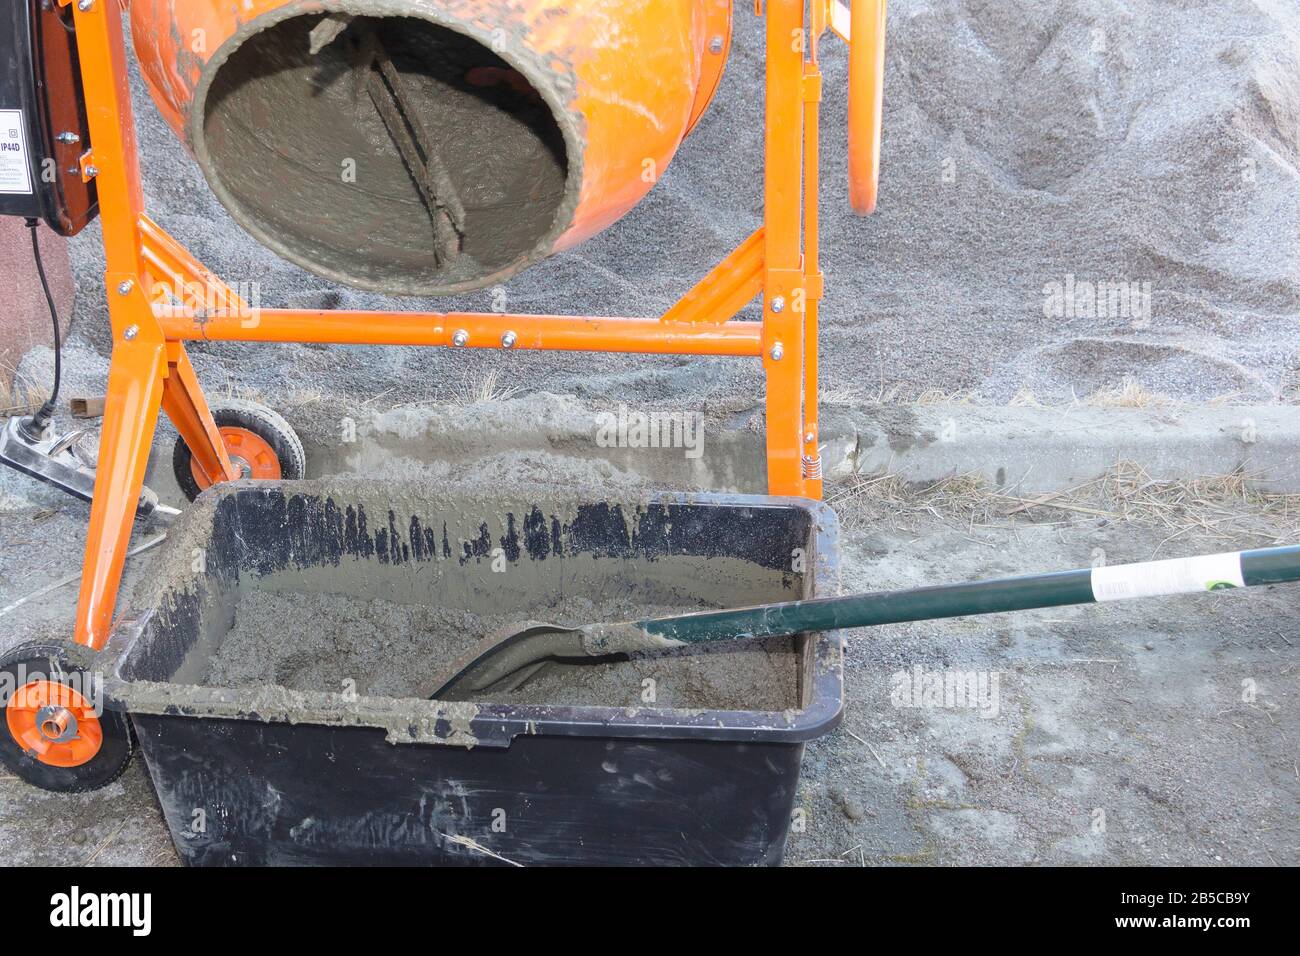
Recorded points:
(412, 146)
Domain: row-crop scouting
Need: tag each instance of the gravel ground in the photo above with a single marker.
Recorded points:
(1118, 734)
(1121, 736)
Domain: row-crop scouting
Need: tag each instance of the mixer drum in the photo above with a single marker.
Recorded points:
(429, 146)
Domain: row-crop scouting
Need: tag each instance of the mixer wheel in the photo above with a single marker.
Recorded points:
(259, 441)
(58, 732)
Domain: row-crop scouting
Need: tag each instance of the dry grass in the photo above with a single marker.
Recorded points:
(1235, 398)
(895, 395)
(19, 399)
(841, 396)
(868, 500)
(1226, 508)
(299, 397)
(1222, 507)
(854, 396)
(481, 390)
(937, 396)
(1128, 394)
(470, 389)
(233, 389)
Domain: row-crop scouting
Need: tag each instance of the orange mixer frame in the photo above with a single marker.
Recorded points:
(150, 370)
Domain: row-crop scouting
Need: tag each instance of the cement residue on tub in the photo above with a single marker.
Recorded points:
(331, 642)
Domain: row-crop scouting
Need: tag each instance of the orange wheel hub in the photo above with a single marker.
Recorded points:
(251, 453)
(54, 723)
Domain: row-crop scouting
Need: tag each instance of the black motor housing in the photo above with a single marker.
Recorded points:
(41, 109)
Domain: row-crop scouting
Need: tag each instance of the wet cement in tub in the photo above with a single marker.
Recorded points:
(319, 641)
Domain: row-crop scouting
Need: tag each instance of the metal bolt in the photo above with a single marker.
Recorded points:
(810, 437)
(131, 332)
(92, 172)
(778, 304)
(459, 338)
(716, 43)
(85, 5)
(508, 340)
(125, 286)
(778, 350)
(68, 138)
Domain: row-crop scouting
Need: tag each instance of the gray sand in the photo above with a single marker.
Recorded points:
(1149, 141)
(321, 641)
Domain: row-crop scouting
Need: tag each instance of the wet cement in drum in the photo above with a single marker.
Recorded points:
(502, 150)
(319, 641)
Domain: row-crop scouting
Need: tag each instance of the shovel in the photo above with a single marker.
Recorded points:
(510, 658)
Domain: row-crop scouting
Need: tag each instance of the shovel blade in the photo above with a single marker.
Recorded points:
(514, 652)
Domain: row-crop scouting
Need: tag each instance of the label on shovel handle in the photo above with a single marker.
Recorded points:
(1210, 572)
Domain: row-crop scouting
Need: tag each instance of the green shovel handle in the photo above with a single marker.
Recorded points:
(1083, 586)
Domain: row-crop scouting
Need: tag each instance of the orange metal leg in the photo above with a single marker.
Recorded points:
(135, 379)
(784, 390)
(813, 280)
(146, 371)
(812, 464)
(183, 401)
(785, 296)
(135, 387)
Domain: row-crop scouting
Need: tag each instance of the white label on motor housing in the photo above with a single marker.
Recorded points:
(15, 174)
(1210, 572)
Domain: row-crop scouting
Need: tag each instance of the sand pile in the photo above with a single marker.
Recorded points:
(1147, 144)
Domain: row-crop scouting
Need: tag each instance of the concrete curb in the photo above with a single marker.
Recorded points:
(1033, 450)
(1041, 450)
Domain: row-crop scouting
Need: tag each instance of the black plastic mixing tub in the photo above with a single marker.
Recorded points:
(265, 775)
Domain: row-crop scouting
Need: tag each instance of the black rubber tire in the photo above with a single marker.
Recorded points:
(50, 660)
(259, 420)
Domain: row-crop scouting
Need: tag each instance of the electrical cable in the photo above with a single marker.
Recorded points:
(42, 418)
